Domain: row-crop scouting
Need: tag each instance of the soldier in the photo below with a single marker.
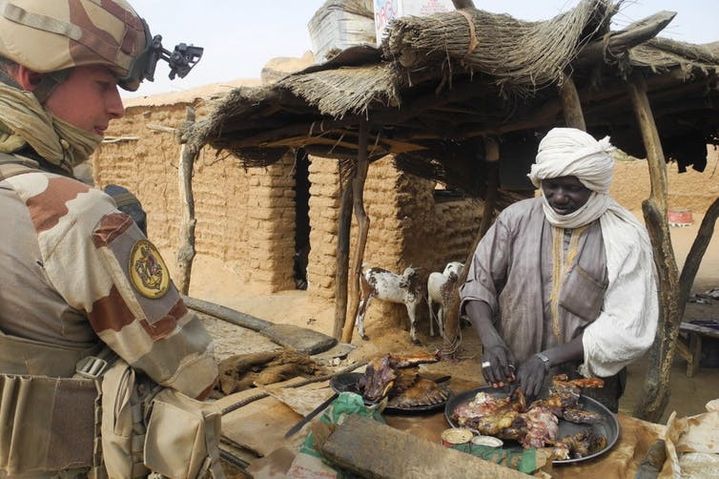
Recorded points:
(89, 316)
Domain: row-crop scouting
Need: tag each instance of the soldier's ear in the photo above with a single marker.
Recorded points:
(26, 78)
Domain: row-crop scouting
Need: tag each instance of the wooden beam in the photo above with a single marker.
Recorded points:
(622, 40)
(571, 104)
(186, 249)
(358, 182)
(343, 252)
(371, 449)
(656, 386)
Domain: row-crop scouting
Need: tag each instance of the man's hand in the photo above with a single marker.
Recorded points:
(497, 365)
(531, 375)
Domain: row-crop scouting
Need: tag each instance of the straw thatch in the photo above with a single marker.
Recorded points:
(520, 56)
(347, 90)
(422, 93)
(663, 54)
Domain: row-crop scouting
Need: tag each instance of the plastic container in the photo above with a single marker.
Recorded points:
(680, 217)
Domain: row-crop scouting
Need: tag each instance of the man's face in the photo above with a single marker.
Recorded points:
(565, 194)
(87, 99)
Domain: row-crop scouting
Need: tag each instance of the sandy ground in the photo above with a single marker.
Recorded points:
(211, 281)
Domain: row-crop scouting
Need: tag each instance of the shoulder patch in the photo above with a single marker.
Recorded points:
(148, 271)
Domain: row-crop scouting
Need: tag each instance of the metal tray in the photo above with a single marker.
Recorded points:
(347, 382)
(608, 426)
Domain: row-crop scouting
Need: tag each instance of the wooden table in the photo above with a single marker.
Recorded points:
(690, 349)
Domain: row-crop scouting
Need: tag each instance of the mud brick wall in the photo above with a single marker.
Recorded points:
(408, 227)
(324, 213)
(244, 217)
(270, 226)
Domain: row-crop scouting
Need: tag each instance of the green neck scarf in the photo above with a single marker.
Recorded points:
(23, 121)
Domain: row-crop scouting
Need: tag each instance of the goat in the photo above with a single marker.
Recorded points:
(439, 287)
(387, 286)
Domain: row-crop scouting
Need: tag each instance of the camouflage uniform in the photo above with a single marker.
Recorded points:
(78, 279)
(70, 279)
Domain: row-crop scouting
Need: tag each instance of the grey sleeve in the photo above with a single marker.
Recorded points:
(488, 270)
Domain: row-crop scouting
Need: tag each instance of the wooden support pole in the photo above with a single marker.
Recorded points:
(186, 250)
(358, 181)
(696, 253)
(451, 322)
(571, 105)
(656, 385)
(343, 258)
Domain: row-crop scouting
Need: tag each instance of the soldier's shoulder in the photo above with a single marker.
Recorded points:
(56, 201)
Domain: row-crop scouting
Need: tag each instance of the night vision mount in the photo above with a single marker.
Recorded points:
(181, 60)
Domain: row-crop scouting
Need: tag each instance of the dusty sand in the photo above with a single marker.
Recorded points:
(213, 282)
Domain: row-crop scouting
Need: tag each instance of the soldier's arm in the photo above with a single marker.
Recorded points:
(102, 264)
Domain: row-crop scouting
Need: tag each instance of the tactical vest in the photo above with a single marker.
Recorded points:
(73, 409)
(49, 394)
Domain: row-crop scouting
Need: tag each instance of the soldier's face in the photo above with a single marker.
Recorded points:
(565, 194)
(87, 99)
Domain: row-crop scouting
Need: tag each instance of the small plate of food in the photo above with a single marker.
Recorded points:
(398, 380)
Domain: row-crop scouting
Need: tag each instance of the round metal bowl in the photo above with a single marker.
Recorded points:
(607, 427)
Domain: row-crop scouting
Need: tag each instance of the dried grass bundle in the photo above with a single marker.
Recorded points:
(663, 53)
(521, 55)
(345, 90)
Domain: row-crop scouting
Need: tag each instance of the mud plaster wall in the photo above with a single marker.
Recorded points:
(691, 190)
(244, 217)
(407, 228)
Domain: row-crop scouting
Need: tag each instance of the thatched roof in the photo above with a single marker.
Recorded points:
(442, 81)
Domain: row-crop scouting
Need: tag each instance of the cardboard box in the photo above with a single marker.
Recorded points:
(387, 10)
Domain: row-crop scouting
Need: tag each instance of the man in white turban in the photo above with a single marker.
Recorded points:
(565, 282)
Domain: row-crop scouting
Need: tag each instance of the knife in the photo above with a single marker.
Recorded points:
(294, 429)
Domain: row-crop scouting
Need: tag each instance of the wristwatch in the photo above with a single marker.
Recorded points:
(544, 359)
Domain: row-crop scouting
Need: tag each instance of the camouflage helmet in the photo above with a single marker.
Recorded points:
(53, 35)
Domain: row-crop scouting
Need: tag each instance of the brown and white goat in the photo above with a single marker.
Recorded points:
(391, 287)
(439, 289)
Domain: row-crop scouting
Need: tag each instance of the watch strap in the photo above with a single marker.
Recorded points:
(544, 360)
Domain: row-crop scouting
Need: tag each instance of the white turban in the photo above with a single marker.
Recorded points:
(628, 321)
(572, 152)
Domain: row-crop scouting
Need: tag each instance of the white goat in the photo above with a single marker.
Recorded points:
(439, 287)
(387, 286)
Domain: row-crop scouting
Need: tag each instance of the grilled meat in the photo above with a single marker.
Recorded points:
(424, 392)
(541, 427)
(536, 426)
(562, 379)
(490, 414)
(406, 378)
(579, 445)
(397, 377)
(580, 416)
(407, 360)
(378, 379)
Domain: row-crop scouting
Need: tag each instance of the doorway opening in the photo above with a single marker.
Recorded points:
(302, 218)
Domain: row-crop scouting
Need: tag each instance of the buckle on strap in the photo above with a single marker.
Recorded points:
(91, 367)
